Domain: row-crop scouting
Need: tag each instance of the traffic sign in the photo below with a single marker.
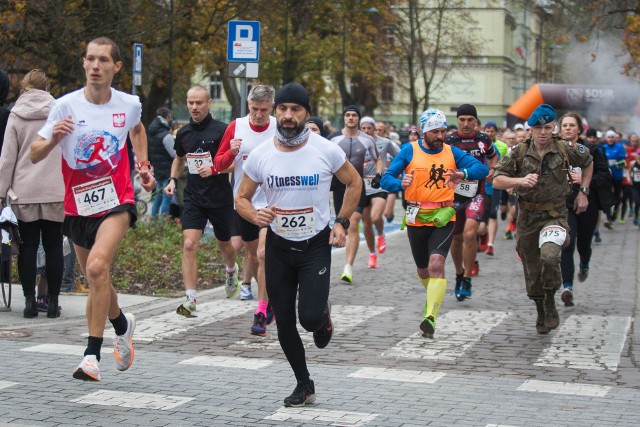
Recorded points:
(243, 69)
(243, 41)
(137, 67)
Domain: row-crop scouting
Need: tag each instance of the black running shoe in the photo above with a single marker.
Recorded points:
(322, 336)
(305, 392)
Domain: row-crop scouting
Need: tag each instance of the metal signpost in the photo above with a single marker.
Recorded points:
(243, 53)
(137, 67)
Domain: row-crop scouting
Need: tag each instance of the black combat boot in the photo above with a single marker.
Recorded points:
(551, 317)
(54, 309)
(540, 328)
(30, 307)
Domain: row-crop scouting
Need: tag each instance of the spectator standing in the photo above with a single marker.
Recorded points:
(161, 155)
(36, 202)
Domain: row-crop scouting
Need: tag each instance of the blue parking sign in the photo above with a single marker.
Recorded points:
(243, 42)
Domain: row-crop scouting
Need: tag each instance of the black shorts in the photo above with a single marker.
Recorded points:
(243, 228)
(338, 198)
(426, 241)
(381, 195)
(195, 217)
(82, 230)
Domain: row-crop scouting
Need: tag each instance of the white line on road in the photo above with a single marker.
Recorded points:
(337, 418)
(456, 332)
(228, 362)
(344, 318)
(72, 350)
(403, 375)
(132, 400)
(573, 389)
(587, 342)
(169, 324)
(7, 384)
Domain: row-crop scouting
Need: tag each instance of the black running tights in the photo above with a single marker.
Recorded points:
(27, 259)
(288, 270)
(581, 230)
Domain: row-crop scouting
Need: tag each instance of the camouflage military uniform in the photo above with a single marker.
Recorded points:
(542, 206)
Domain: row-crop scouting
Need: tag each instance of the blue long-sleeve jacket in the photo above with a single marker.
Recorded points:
(476, 169)
(614, 153)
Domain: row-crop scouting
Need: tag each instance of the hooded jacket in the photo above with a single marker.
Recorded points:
(158, 155)
(4, 111)
(21, 180)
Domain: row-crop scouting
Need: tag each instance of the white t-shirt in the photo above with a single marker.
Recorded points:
(250, 140)
(297, 184)
(95, 149)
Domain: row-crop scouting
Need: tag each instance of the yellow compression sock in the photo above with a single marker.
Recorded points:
(425, 282)
(435, 294)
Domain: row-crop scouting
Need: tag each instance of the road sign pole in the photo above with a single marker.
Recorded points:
(243, 97)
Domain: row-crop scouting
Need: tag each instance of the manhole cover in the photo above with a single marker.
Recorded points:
(19, 333)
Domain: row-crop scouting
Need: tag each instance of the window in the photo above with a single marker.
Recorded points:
(215, 87)
(386, 92)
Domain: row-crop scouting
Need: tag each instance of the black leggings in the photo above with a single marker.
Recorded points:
(617, 191)
(27, 259)
(290, 266)
(581, 229)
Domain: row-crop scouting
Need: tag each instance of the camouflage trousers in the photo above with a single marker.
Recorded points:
(541, 264)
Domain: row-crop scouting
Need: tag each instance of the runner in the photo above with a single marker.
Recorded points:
(295, 172)
(208, 195)
(471, 201)
(93, 123)
(241, 137)
(430, 216)
(376, 197)
(539, 169)
(355, 144)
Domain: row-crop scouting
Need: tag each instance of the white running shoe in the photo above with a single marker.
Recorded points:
(123, 345)
(245, 291)
(88, 369)
(231, 286)
(347, 274)
(187, 308)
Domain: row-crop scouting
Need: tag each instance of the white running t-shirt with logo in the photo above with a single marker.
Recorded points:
(95, 161)
(297, 184)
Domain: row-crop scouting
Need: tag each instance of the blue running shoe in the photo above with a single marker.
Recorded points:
(465, 288)
(270, 315)
(457, 293)
(259, 327)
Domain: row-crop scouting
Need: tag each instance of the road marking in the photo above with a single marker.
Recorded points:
(228, 362)
(587, 342)
(73, 350)
(7, 384)
(404, 375)
(336, 418)
(456, 332)
(344, 318)
(168, 324)
(556, 387)
(132, 400)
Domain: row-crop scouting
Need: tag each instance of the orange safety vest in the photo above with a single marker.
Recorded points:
(428, 177)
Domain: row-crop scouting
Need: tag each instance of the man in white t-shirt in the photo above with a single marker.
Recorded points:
(90, 126)
(295, 169)
(242, 136)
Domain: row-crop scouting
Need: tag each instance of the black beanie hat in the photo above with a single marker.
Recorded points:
(467, 110)
(295, 94)
(318, 122)
(592, 132)
(353, 108)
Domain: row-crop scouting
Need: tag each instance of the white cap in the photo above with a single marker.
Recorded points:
(611, 133)
(367, 119)
(518, 126)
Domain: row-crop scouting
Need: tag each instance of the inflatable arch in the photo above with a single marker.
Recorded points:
(607, 105)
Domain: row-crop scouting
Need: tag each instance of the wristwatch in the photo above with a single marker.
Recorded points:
(145, 163)
(584, 190)
(344, 222)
